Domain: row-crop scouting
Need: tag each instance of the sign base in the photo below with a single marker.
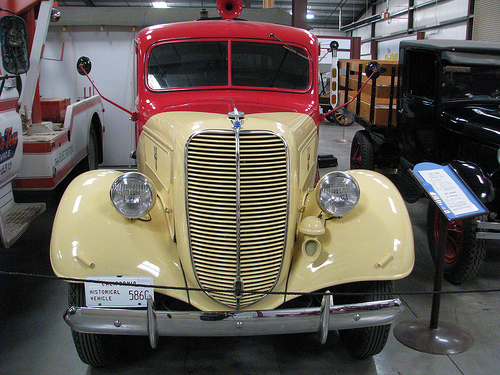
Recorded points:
(445, 340)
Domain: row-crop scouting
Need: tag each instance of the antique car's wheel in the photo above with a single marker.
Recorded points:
(369, 341)
(464, 253)
(94, 350)
(362, 153)
(342, 120)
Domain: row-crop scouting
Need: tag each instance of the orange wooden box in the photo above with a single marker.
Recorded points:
(54, 109)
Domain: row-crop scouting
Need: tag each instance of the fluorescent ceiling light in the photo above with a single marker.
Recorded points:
(310, 16)
(159, 4)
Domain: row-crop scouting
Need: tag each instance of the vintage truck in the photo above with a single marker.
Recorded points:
(439, 103)
(221, 231)
(41, 139)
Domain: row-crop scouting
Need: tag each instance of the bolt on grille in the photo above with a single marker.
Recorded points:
(212, 202)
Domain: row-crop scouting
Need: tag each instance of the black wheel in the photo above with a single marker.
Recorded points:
(362, 152)
(342, 120)
(464, 253)
(369, 341)
(93, 153)
(94, 350)
(91, 161)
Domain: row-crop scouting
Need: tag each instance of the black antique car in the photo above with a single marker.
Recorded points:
(445, 100)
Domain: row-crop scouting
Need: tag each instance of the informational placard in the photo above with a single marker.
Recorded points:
(448, 190)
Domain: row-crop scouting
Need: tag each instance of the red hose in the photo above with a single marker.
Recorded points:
(350, 101)
(132, 114)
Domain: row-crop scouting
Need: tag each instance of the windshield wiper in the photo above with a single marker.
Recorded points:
(291, 49)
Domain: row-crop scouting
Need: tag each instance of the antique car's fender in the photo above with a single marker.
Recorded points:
(372, 242)
(102, 241)
(476, 179)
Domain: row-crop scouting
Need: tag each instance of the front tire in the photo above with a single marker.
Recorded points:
(464, 254)
(94, 350)
(362, 151)
(369, 341)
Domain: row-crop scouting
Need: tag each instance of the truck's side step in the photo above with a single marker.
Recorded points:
(15, 218)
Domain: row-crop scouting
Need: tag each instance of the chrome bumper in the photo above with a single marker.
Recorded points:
(233, 323)
(489, 230)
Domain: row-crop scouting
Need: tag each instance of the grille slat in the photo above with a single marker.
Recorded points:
(211, 203)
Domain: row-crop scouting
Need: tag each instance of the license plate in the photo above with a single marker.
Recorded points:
(107, 294)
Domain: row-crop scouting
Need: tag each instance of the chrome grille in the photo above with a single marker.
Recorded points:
(212, 212)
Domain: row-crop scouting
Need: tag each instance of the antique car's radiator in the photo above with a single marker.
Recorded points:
(237, 250)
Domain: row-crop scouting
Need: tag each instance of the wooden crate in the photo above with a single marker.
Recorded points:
(382, 90)
(354, 66)
(381, 113)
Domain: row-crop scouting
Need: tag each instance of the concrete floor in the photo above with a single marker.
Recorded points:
(35, 340)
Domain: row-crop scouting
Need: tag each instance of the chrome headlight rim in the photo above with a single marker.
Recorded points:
(133, 195)
(337, 193)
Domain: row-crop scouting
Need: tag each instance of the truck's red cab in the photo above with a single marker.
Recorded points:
(204, 65)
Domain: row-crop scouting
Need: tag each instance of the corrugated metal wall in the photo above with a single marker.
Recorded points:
(486, 21)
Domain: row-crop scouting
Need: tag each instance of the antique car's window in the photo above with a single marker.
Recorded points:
(269, 65)
(189, 64)
(471, 82)
(420, 67)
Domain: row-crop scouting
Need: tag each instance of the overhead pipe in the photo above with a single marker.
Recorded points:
(378, 17)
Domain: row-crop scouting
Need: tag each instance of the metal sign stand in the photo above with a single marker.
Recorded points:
(343, 139)
(443, 338)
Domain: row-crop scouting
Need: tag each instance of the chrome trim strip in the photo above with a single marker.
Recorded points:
(238, 286)
(233, 323)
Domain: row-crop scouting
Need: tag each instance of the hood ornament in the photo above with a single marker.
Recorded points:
(236, 118)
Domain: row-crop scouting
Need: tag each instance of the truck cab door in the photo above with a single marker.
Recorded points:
(418, 101)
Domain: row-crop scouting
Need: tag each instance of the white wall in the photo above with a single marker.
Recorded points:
(111, 51)
(433, 19)
(112, 54)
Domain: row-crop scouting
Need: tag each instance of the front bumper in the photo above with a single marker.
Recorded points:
(489, 230)
(233, 323)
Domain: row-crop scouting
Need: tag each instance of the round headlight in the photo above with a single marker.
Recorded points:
(132, 195)
(337, 193)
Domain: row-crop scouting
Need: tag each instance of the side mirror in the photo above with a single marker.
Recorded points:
(374, 67)
(14, 40)
(83, 65)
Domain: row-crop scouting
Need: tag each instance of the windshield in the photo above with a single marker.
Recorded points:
(471, 82)
(206, 64)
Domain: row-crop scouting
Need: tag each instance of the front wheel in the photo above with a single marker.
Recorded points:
(369, 341)
(362, 151)
(464, 253)
(94, 350)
